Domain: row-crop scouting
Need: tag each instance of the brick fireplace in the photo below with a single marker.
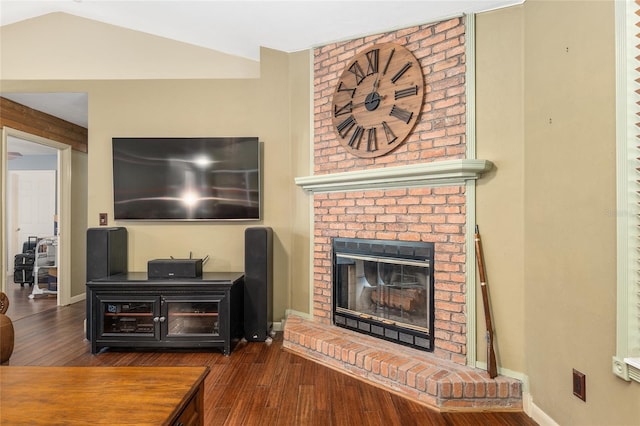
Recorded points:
(417, 193)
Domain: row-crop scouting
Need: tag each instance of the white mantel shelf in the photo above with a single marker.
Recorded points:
(438, 173)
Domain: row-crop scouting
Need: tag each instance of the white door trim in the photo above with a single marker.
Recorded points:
(64, 209)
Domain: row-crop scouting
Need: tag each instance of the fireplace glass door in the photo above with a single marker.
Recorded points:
(384, 295)
(389, 290)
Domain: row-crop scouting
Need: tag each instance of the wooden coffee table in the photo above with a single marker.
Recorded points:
(102, 395)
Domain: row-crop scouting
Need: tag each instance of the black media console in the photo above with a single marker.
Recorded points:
(129, 310)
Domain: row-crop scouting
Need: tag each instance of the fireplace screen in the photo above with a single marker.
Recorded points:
(385, 289)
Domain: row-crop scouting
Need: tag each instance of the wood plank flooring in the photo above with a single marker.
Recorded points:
(21, 306)
(258, 384)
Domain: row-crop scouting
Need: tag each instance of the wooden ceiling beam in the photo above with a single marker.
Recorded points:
(29, 120)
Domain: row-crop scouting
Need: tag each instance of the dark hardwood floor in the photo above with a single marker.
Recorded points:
(258, 384)
(20, 305)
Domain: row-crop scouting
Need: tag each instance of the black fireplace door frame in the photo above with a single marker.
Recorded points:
(420, 251)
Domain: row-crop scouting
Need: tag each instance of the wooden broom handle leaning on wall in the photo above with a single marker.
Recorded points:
(492, 366)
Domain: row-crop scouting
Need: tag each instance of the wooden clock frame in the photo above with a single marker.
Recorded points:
(378, 100)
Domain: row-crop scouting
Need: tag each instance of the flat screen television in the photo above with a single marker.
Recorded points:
(215, 178)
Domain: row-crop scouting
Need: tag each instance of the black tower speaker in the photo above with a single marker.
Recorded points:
(258, 283)
(106, 252)
(106, 255)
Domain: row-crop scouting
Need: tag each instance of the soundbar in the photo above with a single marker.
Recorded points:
(174, 268)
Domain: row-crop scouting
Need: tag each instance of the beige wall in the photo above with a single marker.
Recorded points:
(570, 242)
(72, 48)
(175, 108)
(546, 112)
(544, 212)
(196, 108)
(262, 107)
(79, 190)
(500, 195)
(300, 214)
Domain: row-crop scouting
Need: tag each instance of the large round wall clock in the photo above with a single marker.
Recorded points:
(377, 100)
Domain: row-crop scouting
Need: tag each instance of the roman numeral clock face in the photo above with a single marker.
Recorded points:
(378, 100)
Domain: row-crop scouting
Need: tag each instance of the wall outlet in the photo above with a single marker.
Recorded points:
(103, 219)
(579, 385)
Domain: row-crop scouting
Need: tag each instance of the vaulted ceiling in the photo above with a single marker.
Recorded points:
(238, 27)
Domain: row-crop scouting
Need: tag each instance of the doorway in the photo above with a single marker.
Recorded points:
(61, 227)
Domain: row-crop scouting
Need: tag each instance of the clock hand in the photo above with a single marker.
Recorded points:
(378, 98)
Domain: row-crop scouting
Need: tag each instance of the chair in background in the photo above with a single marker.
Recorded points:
(6, 330)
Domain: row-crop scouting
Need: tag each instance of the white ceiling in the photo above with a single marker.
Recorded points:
(71, 107)
(25, 148)
(237, 27)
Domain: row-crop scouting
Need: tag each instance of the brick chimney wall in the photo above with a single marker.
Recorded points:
(435, 214)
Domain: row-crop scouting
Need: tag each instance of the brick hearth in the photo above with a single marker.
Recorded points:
(414, 374)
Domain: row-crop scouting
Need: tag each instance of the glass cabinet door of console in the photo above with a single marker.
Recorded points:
(130, 317)
(186, 317)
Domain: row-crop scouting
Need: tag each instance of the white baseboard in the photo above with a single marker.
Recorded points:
(78, 298)
(540, 417)
(297, 313)
(528, 406)
(279, 326)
